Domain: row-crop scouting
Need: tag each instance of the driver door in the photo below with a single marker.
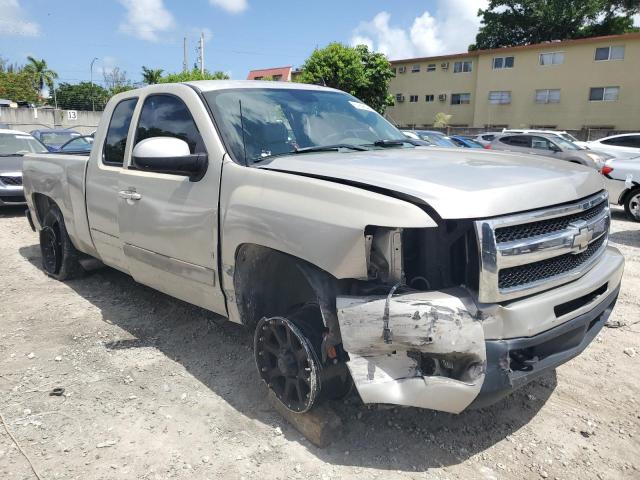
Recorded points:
(168, 223)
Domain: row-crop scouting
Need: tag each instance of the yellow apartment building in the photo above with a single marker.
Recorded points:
(567, 85)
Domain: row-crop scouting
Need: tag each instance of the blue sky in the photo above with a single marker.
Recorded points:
(241, 34)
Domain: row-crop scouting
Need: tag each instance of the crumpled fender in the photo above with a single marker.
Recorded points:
(432, 323)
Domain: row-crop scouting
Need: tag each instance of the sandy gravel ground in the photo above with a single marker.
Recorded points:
(155, 389)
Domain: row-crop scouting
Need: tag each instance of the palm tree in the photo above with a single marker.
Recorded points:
(151, 75)
(42, 75)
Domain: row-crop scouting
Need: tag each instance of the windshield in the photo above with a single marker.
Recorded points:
(565, 144)
(57, 138)
(12, 144)
(569, 137)
(282, 121)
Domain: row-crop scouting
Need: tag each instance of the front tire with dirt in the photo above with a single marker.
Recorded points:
(60, 259)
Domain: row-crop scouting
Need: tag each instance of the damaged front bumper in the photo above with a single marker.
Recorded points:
(438, 350)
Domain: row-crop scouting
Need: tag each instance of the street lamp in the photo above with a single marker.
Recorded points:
(93, 105)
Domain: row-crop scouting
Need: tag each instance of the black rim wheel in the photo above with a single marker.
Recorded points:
(51, 250)
(287, 363)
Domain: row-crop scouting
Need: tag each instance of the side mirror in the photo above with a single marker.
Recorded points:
(169, 155)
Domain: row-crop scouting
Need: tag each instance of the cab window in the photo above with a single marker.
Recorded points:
(168, 116)
(116, 140)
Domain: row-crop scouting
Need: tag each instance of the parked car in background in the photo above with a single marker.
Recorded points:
(4, 126)
(622, 177)
(78, 145)
(13, 145)
(465, 142)
(435, 138)
(557, 133)
(548, 146)
(486, 137)
(54, 138)
(625, 145)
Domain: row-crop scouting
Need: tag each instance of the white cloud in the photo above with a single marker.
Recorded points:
(14, 22)
(451, 28)
(146, 19)
(231, 6)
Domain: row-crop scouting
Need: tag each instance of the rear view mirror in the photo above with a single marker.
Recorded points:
(169, 155)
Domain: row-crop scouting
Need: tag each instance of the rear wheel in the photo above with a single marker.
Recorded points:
(59, 256)
(632, 205)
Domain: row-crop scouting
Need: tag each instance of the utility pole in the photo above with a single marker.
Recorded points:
(185, 62)
(93, 103)
(202, 53)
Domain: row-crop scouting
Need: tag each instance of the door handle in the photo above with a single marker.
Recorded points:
(129, 195)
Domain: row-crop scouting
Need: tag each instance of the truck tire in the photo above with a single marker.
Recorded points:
(632, 204)
(59, 256)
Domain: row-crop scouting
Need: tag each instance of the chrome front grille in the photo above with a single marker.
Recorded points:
(529, 252)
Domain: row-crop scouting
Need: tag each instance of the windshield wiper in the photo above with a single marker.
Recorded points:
(328, 148)
(11, 154)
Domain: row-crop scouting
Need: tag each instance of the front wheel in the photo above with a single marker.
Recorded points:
(59, 256)
(632, 205)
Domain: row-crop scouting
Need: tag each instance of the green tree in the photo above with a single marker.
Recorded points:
(355, 70)
(192, 75)
(17, 86)
(81, 96)
(151, 76)
(520, 22)
(41, 73)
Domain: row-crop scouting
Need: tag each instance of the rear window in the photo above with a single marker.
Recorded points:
(632, 141)
(57, 138)
(488, 138)
(517, 141)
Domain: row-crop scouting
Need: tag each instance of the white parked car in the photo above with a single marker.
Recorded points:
(558, 133)
(623, 183)
(625, 145)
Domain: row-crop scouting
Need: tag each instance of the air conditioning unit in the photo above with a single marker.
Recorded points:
(402, 69)
(442, 97)
(444, 65)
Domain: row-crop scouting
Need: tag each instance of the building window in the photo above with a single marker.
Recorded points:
(431, 67)
(429, 98)
(609, 53)
(394, 70)
(503, 62)
(399, 97)
(415, 69)
(277, 78)
(464, 66)
(555, 58)
(548, 96)
(413, 98)
(604, 94)
(500, 97)
(460, 98)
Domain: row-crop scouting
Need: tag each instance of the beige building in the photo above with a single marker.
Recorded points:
(572, 84)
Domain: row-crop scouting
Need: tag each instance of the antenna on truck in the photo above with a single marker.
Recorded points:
(244, 145)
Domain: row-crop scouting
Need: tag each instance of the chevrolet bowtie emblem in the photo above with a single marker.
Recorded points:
(583, 236)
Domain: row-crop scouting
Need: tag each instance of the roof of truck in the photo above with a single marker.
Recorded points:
(210, 85)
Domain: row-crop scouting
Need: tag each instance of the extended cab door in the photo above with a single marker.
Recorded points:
(103, 182)
(168, 223)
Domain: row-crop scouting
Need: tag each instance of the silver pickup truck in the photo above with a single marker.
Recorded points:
(435, 278)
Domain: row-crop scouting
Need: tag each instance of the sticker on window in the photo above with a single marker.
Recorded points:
(361, 106)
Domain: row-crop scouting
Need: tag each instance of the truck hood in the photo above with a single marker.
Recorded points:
(457, 183)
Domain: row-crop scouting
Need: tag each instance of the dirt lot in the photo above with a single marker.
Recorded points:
(155, 388)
